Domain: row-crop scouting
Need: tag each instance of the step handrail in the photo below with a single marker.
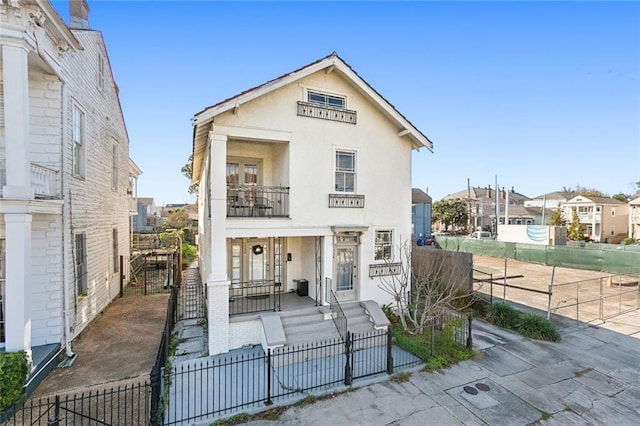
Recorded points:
(339, 318)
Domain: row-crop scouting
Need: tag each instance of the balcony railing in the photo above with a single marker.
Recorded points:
(306, 109)
(349, 201)
(254, 296)
(44, 181)
(257, 201)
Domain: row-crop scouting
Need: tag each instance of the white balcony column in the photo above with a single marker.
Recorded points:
(18, 280)
(15, 80)
(217, 279)
(327, 267)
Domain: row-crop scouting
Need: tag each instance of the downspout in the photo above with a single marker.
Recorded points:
(66, 244)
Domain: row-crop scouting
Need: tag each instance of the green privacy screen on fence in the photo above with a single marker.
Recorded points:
(595, 257)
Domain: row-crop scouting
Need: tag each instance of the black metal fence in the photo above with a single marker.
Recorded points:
(123, 405)
(152, 272)
(257, 201)
(254, 296)
(205, 389)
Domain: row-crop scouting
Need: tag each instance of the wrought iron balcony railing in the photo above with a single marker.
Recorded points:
(257, 201)
(307, 109)
(254, 296)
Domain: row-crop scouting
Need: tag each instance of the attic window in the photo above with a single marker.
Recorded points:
(325, 99)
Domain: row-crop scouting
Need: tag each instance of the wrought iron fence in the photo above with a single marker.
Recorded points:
(257, 201)
(254, 296)
(205, 389)
(121, 405)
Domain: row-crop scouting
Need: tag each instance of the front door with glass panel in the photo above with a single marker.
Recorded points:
(346, 269)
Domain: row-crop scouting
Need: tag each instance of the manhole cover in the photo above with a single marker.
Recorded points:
(482, 387)
(471, 390)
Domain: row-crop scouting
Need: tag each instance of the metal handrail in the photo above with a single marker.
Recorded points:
(339, 318)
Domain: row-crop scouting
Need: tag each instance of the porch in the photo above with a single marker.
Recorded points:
(45, 182)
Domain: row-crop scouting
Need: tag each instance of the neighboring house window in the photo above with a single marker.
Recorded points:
(116, 258)
(114, 166)
(100, 72)
(345, 171)
(2, 287)
(613, 212)
(78, 141)
(326, 99)
(81, 264)
(384, 245)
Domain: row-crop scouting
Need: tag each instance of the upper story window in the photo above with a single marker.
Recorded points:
(100, 72)
(325, 99)
(345, 174)
(384, 244)
(78, 141)
(613, 211)
(114, 166)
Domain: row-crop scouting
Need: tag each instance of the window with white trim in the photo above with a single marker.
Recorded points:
(78, 123)
(3, 263)
(345, 174)
(383, 249)
(81, 263)
(100, 72)
(114, 166)
(325, 99)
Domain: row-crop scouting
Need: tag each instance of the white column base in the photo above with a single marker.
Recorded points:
(218, 316)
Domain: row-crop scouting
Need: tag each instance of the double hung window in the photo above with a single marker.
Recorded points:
(345, 174)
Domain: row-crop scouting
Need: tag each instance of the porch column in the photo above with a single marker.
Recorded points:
(217, 280)
(327, 267)
(15, 80)
(18, 279)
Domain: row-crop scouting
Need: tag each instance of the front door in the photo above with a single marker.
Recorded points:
(346, 269)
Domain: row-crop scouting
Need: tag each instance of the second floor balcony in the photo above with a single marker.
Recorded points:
(45, 182)
(257, 201)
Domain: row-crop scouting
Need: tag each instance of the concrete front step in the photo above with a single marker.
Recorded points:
(308, 325)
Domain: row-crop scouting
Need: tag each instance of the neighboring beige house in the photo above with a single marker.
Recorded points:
(65, 193)
(634, 218)
(306, 177)
(604, 219)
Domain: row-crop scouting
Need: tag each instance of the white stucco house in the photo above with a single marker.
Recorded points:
(65, 188)
(306, 177)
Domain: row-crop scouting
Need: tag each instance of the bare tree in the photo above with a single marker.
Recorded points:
(426, 283)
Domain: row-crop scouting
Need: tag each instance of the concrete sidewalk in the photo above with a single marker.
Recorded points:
(591, 377)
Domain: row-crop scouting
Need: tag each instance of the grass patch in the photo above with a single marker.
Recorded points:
(401, 377)
(438, 350)
(583, 372)
(234, 420)
(527, 324)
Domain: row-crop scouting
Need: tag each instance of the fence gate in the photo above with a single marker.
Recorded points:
(191, 301)
(152, 272)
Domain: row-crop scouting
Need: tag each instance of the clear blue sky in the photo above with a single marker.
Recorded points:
(543, 95)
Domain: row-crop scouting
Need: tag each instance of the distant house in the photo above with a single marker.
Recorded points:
(604, 219)
(481, 204)
(420, 213)
(521, 215)
(65, 194)
(550, 200)
(147, 219)
(634, 218)
(304, 179)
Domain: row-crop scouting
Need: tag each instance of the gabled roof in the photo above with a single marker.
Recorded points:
(418, 196)
(557, 195)
(635, 202)
(203, 119)
(479, 193)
